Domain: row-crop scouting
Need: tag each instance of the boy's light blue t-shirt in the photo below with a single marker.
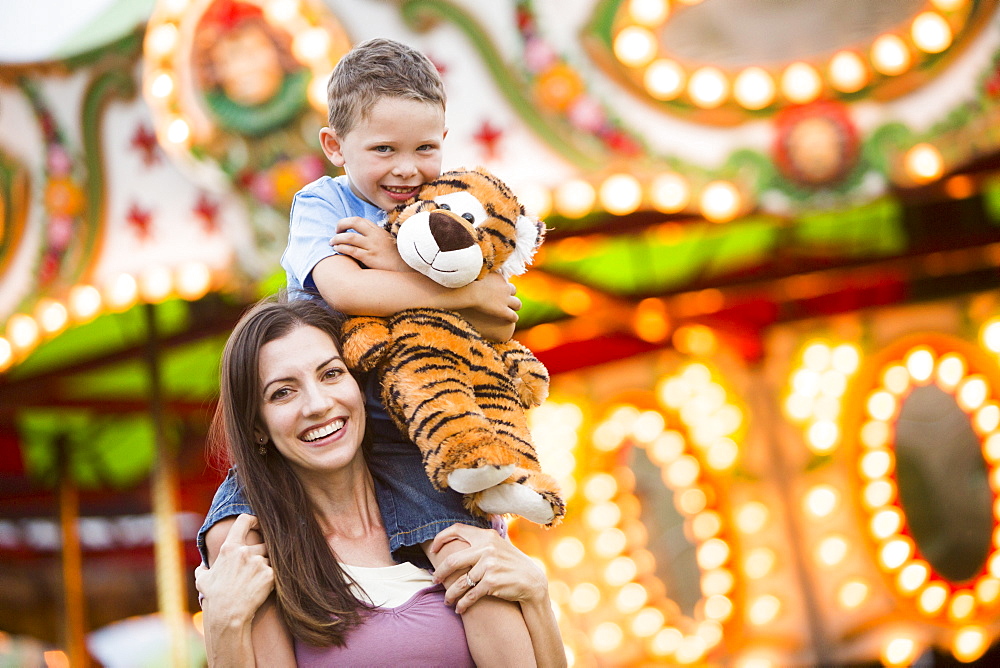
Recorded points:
(315, 212)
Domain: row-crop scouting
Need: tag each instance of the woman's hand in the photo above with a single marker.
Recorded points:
(240, 579)
(496, 568)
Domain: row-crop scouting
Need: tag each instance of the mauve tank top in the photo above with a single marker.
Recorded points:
(421, 632)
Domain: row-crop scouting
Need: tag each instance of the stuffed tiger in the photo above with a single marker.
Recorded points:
(460, 398)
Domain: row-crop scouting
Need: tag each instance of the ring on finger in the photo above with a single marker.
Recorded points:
(469, 581)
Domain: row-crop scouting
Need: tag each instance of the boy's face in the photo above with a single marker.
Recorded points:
(392, 152)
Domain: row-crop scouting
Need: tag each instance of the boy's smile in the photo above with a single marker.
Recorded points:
(390, 153)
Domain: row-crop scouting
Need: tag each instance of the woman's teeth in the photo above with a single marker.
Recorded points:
(320, 432)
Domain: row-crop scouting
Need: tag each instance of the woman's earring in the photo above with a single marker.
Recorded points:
(263, 448)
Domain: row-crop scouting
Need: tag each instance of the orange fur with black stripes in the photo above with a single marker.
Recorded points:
(459, 397)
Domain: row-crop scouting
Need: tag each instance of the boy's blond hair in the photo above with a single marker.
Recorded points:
(375, 69)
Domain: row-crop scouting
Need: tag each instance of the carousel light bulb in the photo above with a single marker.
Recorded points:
(987, 419)
(282, 12)
(648, 12)
(647, 622)
(610, 543)
(931, 32)
(823, 436)
(161, 40)
(923, 163)
(619, 571)
(162, 85)
(853, 593)
(51, 315)
(932, 598)
(948, 5)
(817, 356)
(575, 198)
(537, 199)
(876, 464)
(831, 550)
(670, 193)
(972, 392)
(84, 302)
(692, 648)
(602, 515)
(720, 201)
(635, 46)
(666, 642)
(568, 552)
(890, 56)
(155, 284)
(920, 363)
(664, 79)
(317, 93)
(311, 45)
(753, 88)
(899, 651)
(963, 604)
(878, 493)
(718, 607)
(712, 554)
(990, 335)
(751, 517)
(584, 597)
(718, 581)
(886, 522)
(846, 358)
(950, 370)
(763, 609)
(705, 525)
(821, 501)
(607, 637)
(875, 434)
(800, 83)
(969, 644)
(620, 194)
(881, 405)
(682, 472)
(987, 590)
(193, 280)
(121, 292)
(708, 87)
(895, 552)
(600, 487)
(6, 354)
(178, 131)
(631, 597)
(913, 576)
(848, 72)
(22, 331)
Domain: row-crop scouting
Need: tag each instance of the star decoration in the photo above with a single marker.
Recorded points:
(140, 219)
(207, 210)
(144, 141)
(488, 137)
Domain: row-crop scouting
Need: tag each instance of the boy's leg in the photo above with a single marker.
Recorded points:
(413, 512)
(228, 502)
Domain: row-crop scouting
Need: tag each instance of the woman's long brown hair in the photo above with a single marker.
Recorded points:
(313, 592)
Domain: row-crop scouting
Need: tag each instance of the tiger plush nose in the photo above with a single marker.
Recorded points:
(448, 233)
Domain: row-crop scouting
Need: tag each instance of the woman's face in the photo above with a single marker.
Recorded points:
(312, 407)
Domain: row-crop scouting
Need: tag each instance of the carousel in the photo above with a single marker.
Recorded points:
(767, 299)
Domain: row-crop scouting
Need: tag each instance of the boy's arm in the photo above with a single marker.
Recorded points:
(350, 289)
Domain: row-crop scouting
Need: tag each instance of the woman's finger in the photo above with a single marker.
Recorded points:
(241, 529)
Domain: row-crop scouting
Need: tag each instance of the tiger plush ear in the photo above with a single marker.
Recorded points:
(530, 232)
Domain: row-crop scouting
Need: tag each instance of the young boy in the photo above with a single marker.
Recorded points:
(386, 128)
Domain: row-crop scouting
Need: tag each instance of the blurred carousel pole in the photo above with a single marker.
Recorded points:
(75, 629)
(170, 583)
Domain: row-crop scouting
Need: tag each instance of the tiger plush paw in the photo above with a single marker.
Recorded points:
(466, 481)
(516, 499)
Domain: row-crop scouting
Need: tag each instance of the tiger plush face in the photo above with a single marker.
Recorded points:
(463, 225)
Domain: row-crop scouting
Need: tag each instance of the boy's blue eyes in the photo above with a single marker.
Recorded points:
(387, 149)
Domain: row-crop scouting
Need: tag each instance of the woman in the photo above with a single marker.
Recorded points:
(294, 418)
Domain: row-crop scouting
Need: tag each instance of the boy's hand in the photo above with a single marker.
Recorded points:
(495, 297)
(367, 243)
